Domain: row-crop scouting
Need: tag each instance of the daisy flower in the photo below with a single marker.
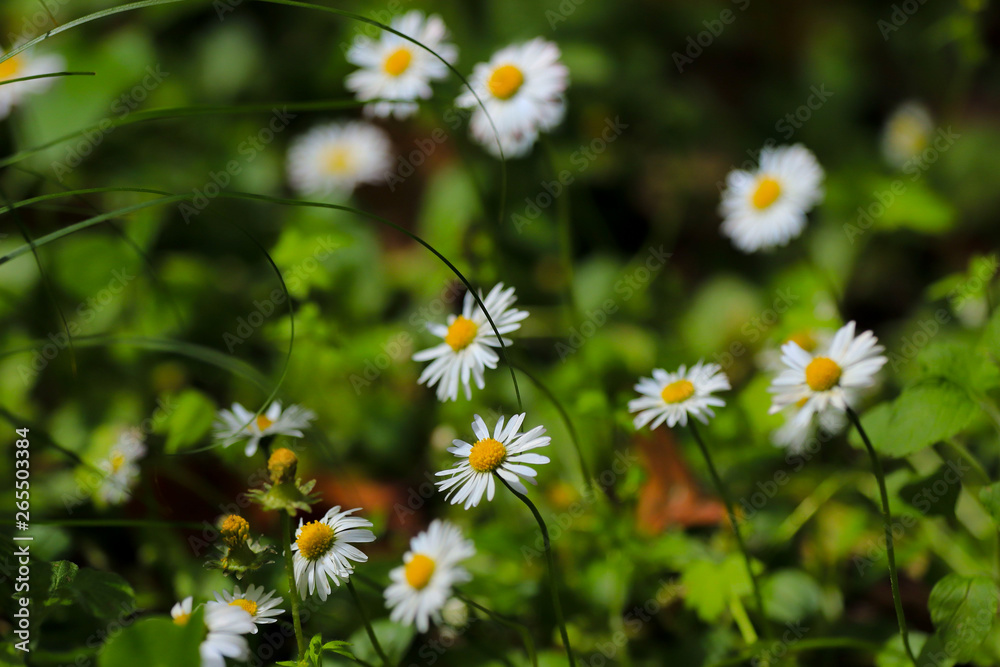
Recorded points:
(262, 608)
(121, 468)
(226, 627)
(333, 159)
(830, 378)
(422, 586)
(671, 397)
(906, 133)
(22, 65)
(393, 68)
(768, 207)
(323, 550)
(468, 339)
(239, 423)
(504, 454)
(522, 87)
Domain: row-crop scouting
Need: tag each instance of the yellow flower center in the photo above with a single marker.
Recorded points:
(182, 619)
(803, 339)
(461, 332)
(505, 82)
(264, 422)
(9, 68)
(282, 465)
(487, 455)
(249, 606)
(801, 403)
(117, 461)
(398, 61)
(337, 160)
(822, 374)
(419, 571)
(768, 190)
(315, 540)
(678, 391)
(235, 530)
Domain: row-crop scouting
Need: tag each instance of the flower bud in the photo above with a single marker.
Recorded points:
(235, 530)
(282, 465)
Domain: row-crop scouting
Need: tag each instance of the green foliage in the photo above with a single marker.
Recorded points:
(156, 642)
(962, 609)
(191, 420)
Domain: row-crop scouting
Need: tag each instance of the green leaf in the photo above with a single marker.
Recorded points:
(102, 594)
(710, 586)
(190, 422)
(791, 595)
(342, 648)
(892, 653)
(962, 609)
(989, 496)
(922, 415)
(959, 364)
(63, 573)
(156, 642)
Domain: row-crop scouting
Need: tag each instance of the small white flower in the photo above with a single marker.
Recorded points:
(333, 159)
(262, 608)
(239, 423)
(830, 378)
(121, 468)
(768, 207)
(468, 338)
(523, 88)
(671, 397)
(23, 65)
(227, 626)
(504, 454)
(323, 550)
(422, 586)
(393, 68)
(906, 133)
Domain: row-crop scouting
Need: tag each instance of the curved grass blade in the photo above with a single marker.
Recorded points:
(46, 76)
(46, 283)
(154, 277)
(168, 113)
(168, 198)
(191, 350)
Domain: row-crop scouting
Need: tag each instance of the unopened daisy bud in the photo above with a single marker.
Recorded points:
(282, 465)
(235, 530)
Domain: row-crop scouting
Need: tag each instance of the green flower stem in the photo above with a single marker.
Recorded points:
(889, 549)
(286, 541)
(529, 645)
(758, 598)
(553, 570)
(368, 625)
(799, 646)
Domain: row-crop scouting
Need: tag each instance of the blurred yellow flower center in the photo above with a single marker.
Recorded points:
(182, 619)
(768, 190)
(419, 571)
(337, 160)
(801, 403)
(398, 61)
(264, 422)
(117, 461)
(282, 465)
(822, 374)
(803, 339)
(315, 540)
(487, 455)
(505, 81)
(461, 332)
(675, 392)
(249, 606)
(9, 68)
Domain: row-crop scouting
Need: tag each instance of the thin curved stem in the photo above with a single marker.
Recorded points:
(553, 570)
(889, 549)
(368, 625)
(758, 598)
(529, 645)
(293, 593)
